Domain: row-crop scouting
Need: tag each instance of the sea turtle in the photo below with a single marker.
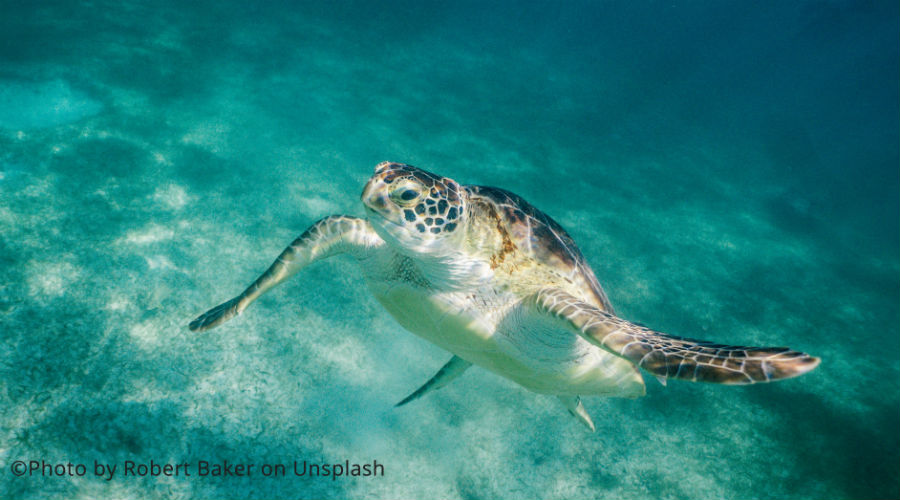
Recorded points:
(485, 275)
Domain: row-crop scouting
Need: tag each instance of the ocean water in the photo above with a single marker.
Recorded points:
(729, 169)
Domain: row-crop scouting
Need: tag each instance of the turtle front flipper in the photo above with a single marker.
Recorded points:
(673, 357)
(332, 235)
(216, 316)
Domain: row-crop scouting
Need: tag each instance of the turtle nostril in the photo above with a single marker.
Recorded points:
(371, 197)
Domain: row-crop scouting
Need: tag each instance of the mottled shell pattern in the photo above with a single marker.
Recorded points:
(522, 245)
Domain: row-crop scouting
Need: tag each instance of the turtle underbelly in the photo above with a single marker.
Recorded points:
(490, 329)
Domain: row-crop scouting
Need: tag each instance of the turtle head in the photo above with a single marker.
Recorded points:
(418, 210)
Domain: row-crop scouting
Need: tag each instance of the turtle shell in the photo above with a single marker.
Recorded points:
(542, 239)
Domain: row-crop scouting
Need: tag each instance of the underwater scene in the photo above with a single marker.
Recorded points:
(729, 170)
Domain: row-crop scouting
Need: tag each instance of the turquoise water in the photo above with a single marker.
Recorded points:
(730, 170)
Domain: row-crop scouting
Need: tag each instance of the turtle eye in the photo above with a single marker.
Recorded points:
(405, 194)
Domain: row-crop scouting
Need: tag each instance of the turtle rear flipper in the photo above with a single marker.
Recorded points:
(673, 357)
(576, 408)
(448, 373)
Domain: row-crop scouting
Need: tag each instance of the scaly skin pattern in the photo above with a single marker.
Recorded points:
(483, 274)
(675, 357)
(329, 236)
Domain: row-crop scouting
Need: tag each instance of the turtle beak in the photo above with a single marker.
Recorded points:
(373, 197)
